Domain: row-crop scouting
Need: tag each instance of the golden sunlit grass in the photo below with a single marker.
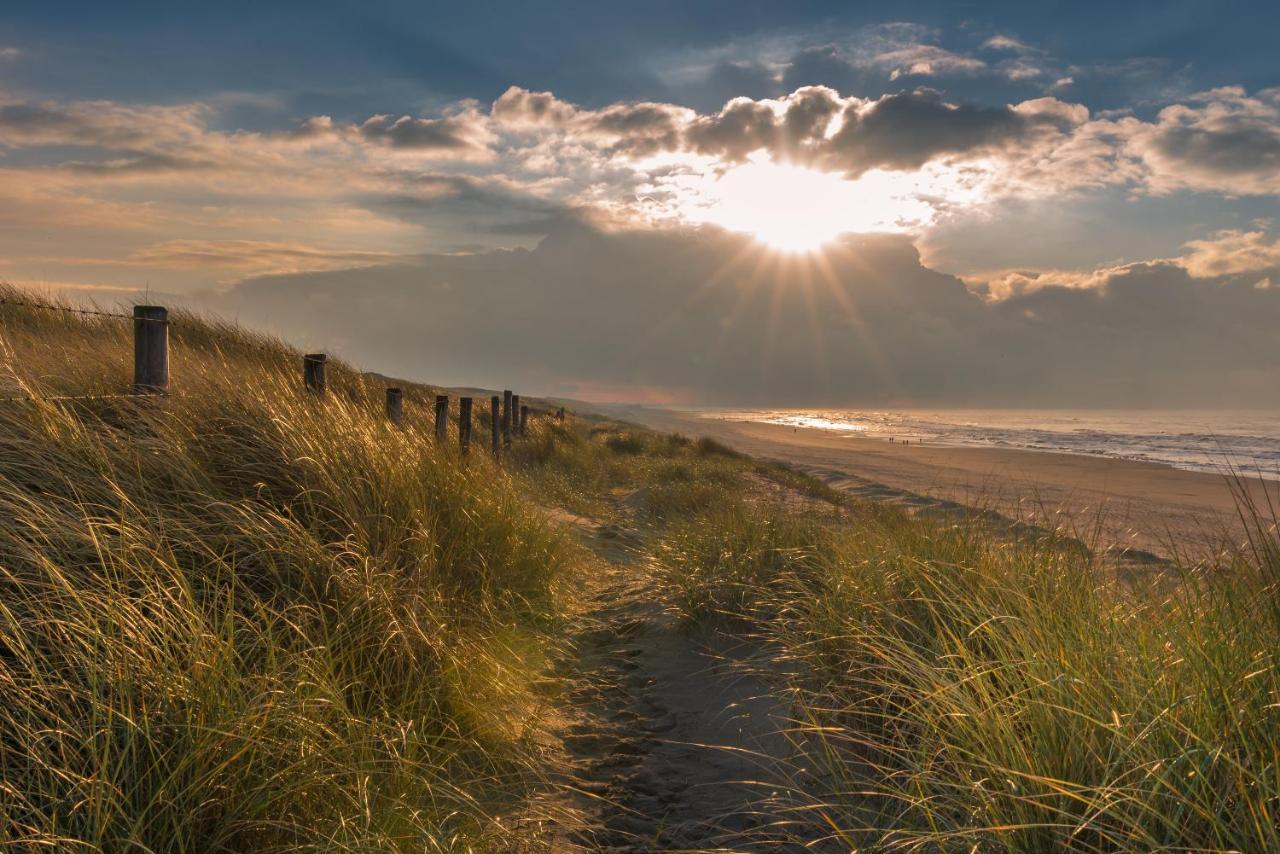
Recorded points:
(958, 689)
(244, 618)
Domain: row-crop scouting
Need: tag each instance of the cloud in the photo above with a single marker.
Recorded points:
(462, 133)
(1007, 43)
(142, 165)
(522, 108)
(902, 131)
(926, 60)
(707, 315)
(99, 123)
(260, 255)
(743, 126)
(1232, 252)
(1225, 140)
(906, 131)
(9, 53)
(475, 177)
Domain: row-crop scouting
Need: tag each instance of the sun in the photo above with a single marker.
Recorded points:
(795, 209)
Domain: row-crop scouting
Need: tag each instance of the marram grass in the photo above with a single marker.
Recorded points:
(960, 690)
(243, 618)
(246, 619)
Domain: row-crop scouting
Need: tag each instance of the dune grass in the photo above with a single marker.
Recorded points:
(243, 618)
(956, 688)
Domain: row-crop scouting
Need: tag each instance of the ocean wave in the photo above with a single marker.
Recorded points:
(1199, 441)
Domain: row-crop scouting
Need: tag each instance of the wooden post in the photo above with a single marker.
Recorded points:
(560, 415)
(506, 418)
(515, 414)
(442, 417)
(395, 406)
(524, 419)
(464, 424)
(150, 349)
(313, 372)
(495, 424)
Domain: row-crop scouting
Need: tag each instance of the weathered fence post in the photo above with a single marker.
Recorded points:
(395, 406)
(150, 349)
(515, 414)
(506, 418)
(464, 424)
(560, 415)
(313, 372)
(495, 424)
(442, 417)
(524, 419)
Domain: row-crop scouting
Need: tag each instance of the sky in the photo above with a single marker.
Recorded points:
(722, 203)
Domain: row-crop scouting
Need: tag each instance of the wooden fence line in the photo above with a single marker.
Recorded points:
(507, 415)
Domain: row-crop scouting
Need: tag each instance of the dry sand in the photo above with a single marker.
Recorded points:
(1147, 506)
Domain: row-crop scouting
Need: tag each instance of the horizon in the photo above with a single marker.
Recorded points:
(944, 206)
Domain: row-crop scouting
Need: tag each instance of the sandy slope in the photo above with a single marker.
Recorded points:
(1148, 506)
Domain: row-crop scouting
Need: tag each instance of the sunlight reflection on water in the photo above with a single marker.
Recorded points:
(1195, 440)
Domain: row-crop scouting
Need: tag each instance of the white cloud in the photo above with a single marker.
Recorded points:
(1223, 141)
(1230, 252)
(474, 176)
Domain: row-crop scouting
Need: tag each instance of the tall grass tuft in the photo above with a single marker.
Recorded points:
(961, 689)
(246, 618)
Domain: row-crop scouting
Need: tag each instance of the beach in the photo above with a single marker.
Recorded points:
(1106, 502)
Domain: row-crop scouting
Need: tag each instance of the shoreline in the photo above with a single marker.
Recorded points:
(1104, 501)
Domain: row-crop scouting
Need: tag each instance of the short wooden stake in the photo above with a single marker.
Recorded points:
(560, 415)
(395, 406)
(150, 349)
(515, 415)
(464, 424)
(442, 417)
(506, 418)
(313, 372)
(495, 424)
(524, 419)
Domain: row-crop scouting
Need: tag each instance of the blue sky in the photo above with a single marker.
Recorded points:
(368, 57)
(210, 149)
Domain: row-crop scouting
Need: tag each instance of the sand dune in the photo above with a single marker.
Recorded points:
(1146, 506)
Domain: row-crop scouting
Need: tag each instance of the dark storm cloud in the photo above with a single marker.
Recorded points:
(711, 316)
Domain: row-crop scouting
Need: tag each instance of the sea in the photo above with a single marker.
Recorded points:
(1213, 441)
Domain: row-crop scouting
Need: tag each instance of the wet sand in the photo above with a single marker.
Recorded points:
(1107, 502)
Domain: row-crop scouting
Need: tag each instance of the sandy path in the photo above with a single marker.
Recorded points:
(1147, 506)
(676, 734)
